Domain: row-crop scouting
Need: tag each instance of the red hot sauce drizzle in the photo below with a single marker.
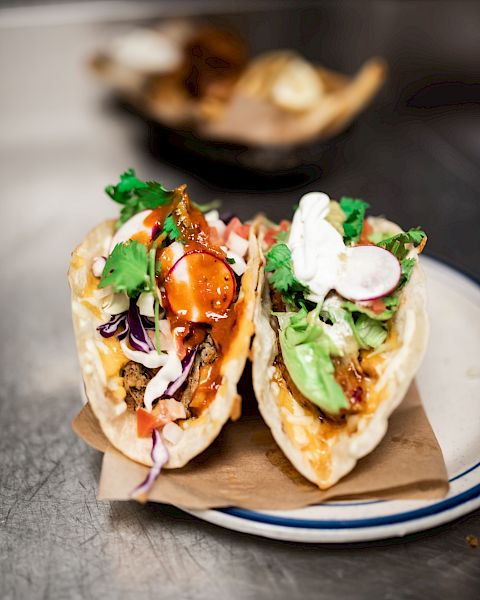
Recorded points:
(198, 295)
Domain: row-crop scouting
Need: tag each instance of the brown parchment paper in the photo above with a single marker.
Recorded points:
(245, 468)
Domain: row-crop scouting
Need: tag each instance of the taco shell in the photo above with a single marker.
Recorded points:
(101, 360)
(324, 451)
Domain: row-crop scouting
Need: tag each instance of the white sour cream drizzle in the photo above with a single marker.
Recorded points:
(157, 386)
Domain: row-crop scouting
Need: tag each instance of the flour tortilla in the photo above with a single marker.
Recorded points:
(321, 453)
(119, 424)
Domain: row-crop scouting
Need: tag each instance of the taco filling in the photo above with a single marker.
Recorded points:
(163, 304)
(173, 274)
(335, 285)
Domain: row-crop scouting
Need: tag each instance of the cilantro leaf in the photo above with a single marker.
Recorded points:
(407, 268)
(153, 195)
(126, 269)
(123, 191)
(170, 228)
(397, 244)
(282, 279)
(137, 195)
(230, 261)
(354, 214)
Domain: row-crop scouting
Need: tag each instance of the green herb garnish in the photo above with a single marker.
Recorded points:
(137, 195)
(397, 244)
(354, 214)
(279, 264)
(170, 228)
(126, 269)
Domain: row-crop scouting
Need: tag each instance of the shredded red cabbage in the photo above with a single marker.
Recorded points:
(130, 323)
(138, 337)
(116, 321)
(147, 323)
(159, 456)
(187, 363)
(155, 231)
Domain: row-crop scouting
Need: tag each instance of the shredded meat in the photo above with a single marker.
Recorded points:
(350, 378)
(207, 353)
(278, 305)
(136, 377)
(135, 380)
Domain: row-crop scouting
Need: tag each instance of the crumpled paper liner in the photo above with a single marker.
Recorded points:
(245, 468)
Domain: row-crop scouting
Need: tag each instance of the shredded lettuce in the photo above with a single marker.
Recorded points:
(367, 332)
(391, 306)
(306, 351)
(371, 333)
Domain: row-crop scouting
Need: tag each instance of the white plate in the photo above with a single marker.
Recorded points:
(449, 382)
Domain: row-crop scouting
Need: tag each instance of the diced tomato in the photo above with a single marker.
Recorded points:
(237, 226)
(270, 236)
(147, 421)
(367, 230)
(377, 306)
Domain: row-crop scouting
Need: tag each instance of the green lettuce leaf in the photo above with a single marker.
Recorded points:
(306, 351)
(391, 306)
(371, 332)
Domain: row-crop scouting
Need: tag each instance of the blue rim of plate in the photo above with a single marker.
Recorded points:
(410, 515)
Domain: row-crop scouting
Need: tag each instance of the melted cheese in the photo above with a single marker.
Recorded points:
(112, 357)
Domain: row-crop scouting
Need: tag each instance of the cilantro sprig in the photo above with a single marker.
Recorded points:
(170, 228)
(397, 244)
(126, 269)
(137, 195)
(132, 269)
(354, 214)
(282, 278)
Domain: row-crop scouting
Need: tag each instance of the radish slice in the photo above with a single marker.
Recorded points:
(367, 272)
(200, 287)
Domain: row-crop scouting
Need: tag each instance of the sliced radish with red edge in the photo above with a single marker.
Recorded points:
(200, 287)
(367, 272)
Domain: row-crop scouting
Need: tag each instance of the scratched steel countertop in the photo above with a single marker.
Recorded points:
(60, 143)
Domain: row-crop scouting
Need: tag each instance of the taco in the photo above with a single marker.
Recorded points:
(341, 329)
(163, 303)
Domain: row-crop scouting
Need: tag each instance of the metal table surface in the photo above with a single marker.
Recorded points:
(60, 144)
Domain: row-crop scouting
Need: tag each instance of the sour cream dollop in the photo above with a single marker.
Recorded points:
(317, 247)
(322, 262)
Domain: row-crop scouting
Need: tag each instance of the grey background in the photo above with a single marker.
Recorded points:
(61, 141)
